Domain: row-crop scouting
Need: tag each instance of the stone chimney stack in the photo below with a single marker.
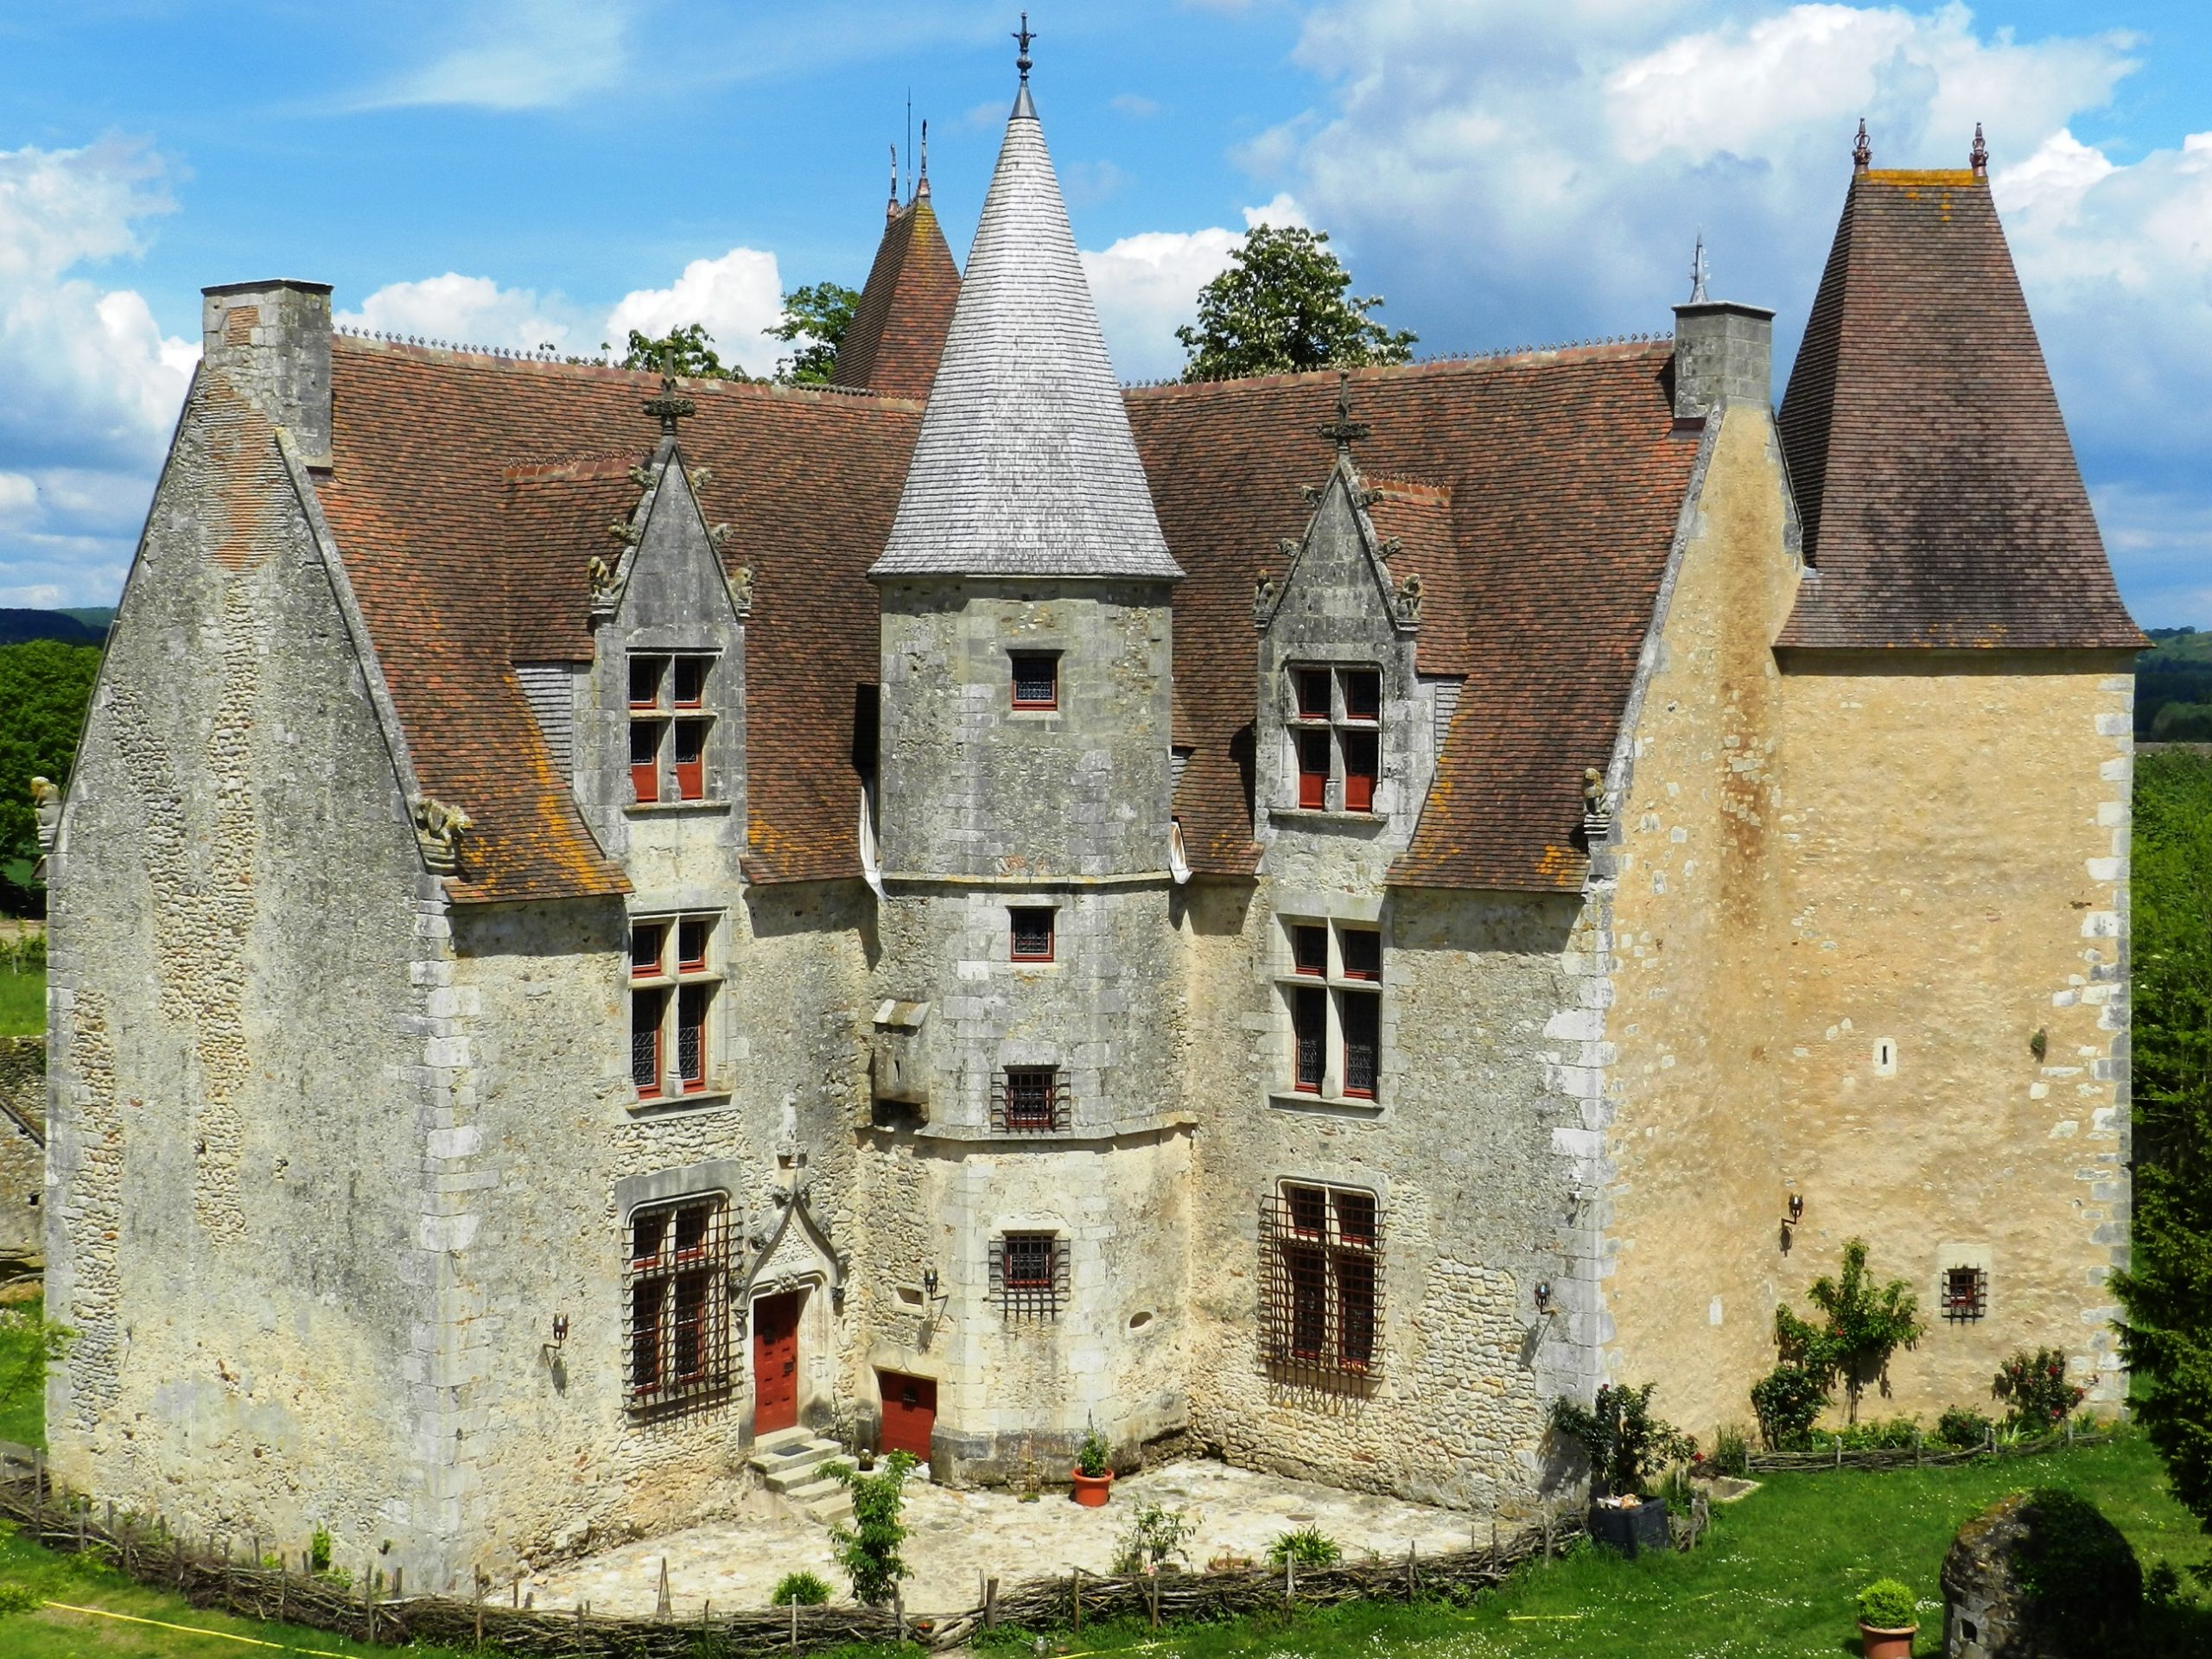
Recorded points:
(273, 341)
(1723, 354)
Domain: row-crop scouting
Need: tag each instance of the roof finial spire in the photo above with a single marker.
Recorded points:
(891, 207)
(1022, 37)
(1862, 153)
(1977, 157)
(1343, 431)
(922, 183)
(671, 405)
(1698, 272)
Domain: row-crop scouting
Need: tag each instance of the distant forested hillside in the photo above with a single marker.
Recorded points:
(2173, 688)
(84, 628)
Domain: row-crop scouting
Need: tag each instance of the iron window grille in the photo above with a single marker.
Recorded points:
(672, 988)
(1309, 1026)
(1029, 1274)
(1966, 1294)
(1362, 1015)
(1335, 725)
(1032, 931)
(1036, 680)
(1031, 1099)
(1321, 1265)
(675, 1286)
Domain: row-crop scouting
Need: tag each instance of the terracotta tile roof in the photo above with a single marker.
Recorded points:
(898, 329)
(1941, 500)
(1537, 496)
(465, 521)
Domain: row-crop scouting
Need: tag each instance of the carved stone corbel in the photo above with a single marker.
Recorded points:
(438, 832)
(740, 589)
(1407, 600)
(46, 803)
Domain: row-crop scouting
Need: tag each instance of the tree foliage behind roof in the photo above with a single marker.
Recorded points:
(685, 350)
(2165, 1332)
(818, 314)
(44, 688)
(1281, 307)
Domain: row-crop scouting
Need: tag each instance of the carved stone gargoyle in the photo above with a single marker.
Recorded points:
(1263, 600)
(1597, 810)
(1408, 599)
(46, 802)
(740, 589)
(438, 831)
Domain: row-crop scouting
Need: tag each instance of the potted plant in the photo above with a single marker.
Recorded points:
(1094, 1479)
(1889, 1617)
(1627, 1446)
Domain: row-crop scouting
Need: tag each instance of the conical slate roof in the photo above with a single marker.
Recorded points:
(898, 330)
(1941, 501)
(1025, 467)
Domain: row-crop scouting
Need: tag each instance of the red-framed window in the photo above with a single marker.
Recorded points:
(692, 1002)
(677, 1285)
(647, 1011)
(690, 759)
(1362, 1014)
(1321, 1282)
(1031, 933)
(1362, 766)
(689, 689)
(1309, 950)
(691, 935)
(1313, 769)
(1309, 1037)
(1363, 695)
(671, 1005)
(1363, 952)
(647, 940)
(1036, 679)
(646, 676)
(1312, 693)
(645, 759)
(1031, 1098)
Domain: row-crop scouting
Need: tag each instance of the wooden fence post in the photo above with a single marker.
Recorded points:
(1548, 1532)
(794, 1623)
(991, 1604)
(899, 1613)
(1289, 1578)
(1075, 1596)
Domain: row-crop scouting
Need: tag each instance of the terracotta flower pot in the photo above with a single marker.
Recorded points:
(1092, 1491)
(1880, 1643)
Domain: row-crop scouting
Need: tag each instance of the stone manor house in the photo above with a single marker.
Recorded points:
(604, 924)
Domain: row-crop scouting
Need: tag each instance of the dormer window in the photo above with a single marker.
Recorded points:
(1335, 738)
(668, 756)
(1036, 680)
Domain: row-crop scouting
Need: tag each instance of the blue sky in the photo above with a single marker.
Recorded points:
(510, 171)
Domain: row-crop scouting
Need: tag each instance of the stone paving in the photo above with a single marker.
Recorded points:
(956, 1538)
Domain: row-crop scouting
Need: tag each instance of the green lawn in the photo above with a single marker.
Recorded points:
(23, 1003)
(23, 1375)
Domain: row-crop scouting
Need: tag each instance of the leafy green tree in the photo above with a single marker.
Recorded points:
(1864, 1326)
(868, 1549)
(685, 347)
(2165, 1330)
(1281, 307)
(44, 688)
(818, 314)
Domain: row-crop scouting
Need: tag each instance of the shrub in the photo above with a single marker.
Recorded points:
(1732, 1451)
(18, 1597)
(1787, 1400)
(1625, 1444)
(318, 1550)
(2080, 1573)
(1309, 1547)
(1885, 1604)
(1091, 1457)
(2035, 1387)
(806, 1589)
(868, 1549)
(1962, 1426)
(1864, 1326)
(1157, 1534)
(1890, 1435)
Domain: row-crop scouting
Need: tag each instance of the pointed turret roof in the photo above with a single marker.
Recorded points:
(1940, 498)
(898, 329)
(1024, 466)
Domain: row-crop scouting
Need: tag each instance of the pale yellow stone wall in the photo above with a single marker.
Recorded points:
(1817, 857)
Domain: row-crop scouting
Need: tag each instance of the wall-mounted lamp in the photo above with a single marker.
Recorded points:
(928, 1282)
(1797, 1208)
(560, 1330)
(1543, 1296)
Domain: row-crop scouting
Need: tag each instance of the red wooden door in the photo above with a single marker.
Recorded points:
(909, 1412)
(775, 1362)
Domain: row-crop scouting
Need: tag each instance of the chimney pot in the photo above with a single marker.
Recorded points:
(272, 341)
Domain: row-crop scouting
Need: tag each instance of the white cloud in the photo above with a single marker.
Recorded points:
(1147, 286)
(738, 297)
(1134, 104)
(462, 310)
(93, 385)
(520, 55)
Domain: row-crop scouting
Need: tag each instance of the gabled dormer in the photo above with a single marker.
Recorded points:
(660, 738)
(1345, 741)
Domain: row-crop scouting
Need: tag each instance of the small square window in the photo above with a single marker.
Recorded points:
(1029, 1261)
(644, 681)
(1312, 694)
(647, 940)
(690, 681)
(1966, 1294)
(1032, 933)
(1309, 950)
(1036, 680)
(692, 944)
(1362, 694)
(1031, 1098)
(1362, 953)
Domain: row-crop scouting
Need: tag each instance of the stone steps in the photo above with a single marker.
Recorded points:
(789, 1462)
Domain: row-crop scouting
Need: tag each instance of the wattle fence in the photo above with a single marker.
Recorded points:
(231, 1574)
(1919, 1454)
